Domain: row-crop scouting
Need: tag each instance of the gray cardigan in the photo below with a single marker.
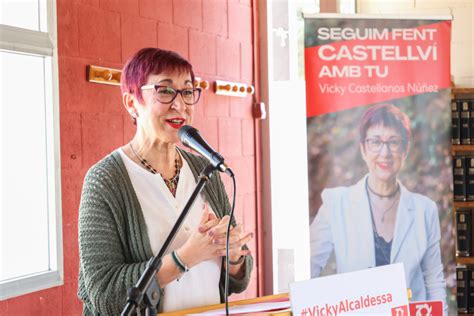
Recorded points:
(113, 241)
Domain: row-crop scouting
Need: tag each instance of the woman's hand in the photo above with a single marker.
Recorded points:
(200, 246)
(209, 240)
(237, 239)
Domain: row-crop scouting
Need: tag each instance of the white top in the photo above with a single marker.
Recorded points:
(199, 286)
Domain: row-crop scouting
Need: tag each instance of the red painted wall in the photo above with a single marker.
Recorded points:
(215, 35)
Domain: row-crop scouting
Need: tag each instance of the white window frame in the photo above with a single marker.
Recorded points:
(19, 40)
(284, 158)
(284, 163)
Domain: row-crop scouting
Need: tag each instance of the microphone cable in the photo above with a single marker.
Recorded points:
(231, 215)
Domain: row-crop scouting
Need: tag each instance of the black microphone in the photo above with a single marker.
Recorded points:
(191, 138)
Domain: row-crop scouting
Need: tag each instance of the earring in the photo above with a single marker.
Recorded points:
(133, 116)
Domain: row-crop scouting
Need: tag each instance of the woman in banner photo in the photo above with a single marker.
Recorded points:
(378, 221)
(133, 196)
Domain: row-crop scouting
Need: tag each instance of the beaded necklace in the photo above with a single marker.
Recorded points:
(172, 183)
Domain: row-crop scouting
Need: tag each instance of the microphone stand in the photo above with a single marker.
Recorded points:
(145, 288)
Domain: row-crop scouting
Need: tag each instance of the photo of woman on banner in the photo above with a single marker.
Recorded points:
(378, 221)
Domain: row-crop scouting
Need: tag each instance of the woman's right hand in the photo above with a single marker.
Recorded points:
(200, 247)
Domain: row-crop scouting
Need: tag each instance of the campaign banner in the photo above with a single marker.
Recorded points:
(379, 148)
(356, 62)
(377, 291)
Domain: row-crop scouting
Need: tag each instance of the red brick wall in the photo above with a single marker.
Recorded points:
(215, 35)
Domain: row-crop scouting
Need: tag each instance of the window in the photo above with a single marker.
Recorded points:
(285, 194)
(285, 198)
(347, 6)
(30, 226)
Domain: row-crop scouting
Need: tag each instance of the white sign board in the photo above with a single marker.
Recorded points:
(375, 291)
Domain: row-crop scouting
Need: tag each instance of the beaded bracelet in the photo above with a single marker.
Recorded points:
(179, 263)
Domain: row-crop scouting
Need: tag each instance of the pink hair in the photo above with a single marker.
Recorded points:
(151, 61)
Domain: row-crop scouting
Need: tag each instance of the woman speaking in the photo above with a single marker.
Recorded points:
(378, 221)
(132, 198)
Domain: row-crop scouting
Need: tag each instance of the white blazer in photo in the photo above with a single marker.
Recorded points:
(344, 224)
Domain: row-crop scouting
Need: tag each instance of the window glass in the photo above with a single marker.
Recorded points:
(27, 14)
(347, 6)
(303, 7)
(24, 237)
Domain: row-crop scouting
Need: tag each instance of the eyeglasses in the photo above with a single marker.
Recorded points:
(375, 145)
(166, 94)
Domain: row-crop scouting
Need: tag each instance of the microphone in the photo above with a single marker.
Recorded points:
(191, 138)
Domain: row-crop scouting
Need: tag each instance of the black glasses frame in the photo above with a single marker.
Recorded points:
(177, 91)
(387, 143)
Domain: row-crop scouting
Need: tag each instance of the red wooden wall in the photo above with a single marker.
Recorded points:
(215, 35)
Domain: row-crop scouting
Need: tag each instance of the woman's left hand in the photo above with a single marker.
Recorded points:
(237, 239)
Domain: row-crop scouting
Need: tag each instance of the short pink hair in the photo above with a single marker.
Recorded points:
(151, 61)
